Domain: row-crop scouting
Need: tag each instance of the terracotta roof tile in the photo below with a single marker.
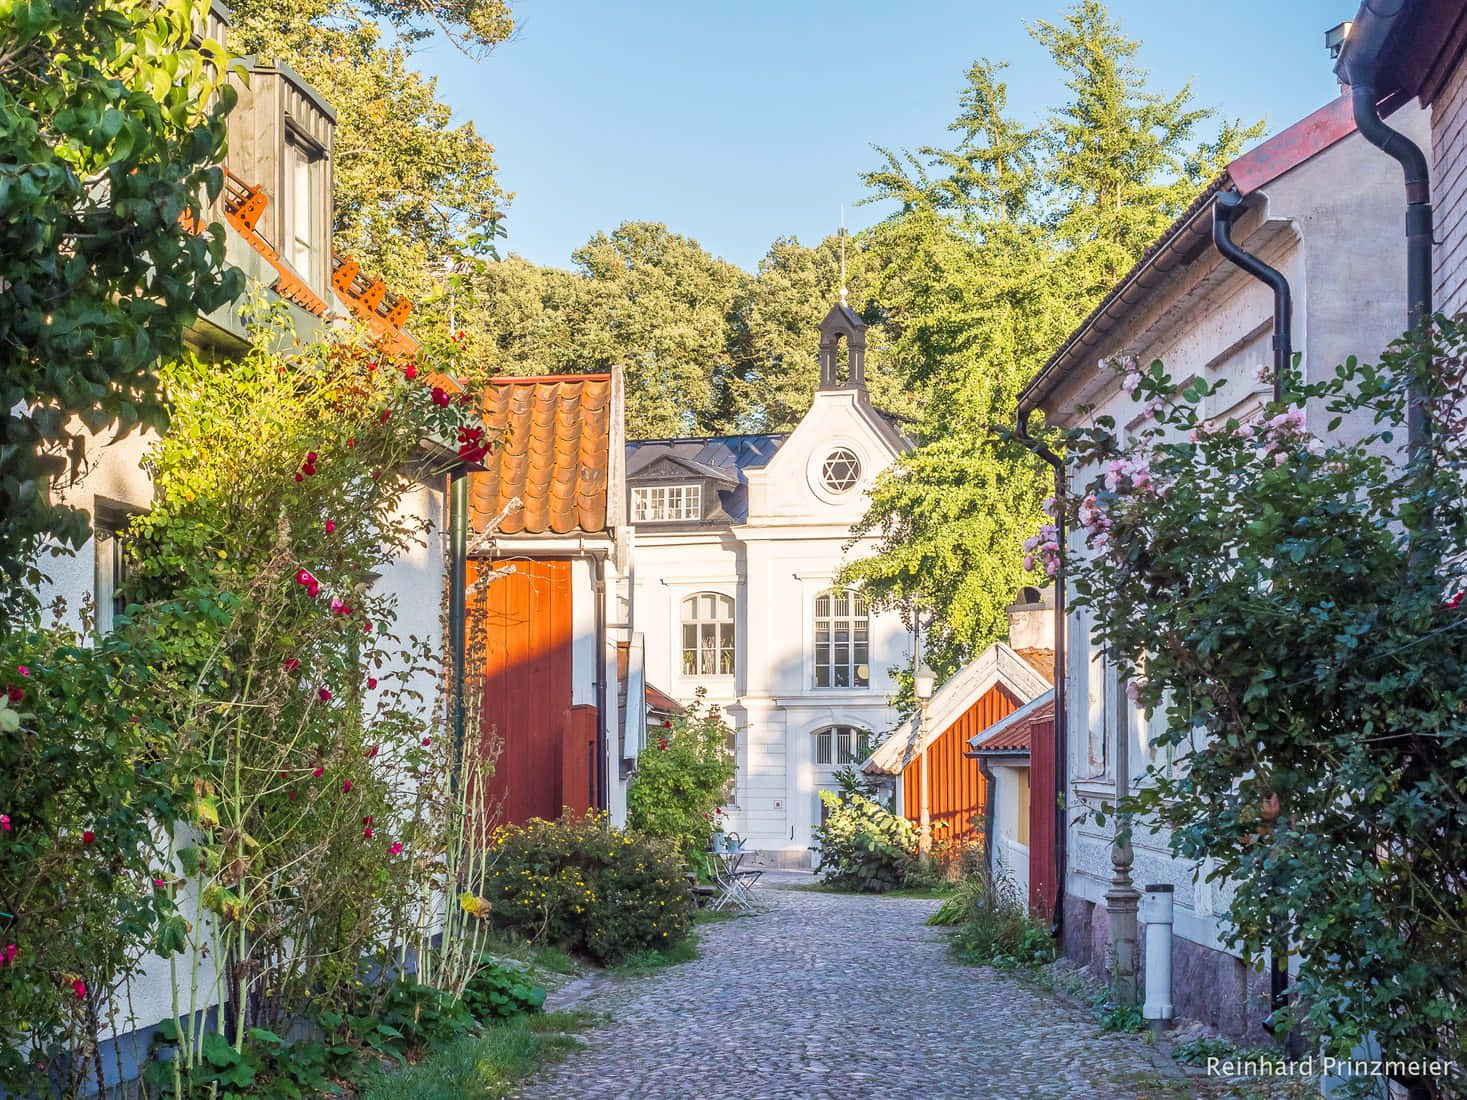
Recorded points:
(554, 434)
(1042, 661)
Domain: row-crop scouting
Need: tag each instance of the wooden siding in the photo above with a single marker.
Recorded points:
(1449, 186)
(521, 631)
(957, 794)
(1043, 800)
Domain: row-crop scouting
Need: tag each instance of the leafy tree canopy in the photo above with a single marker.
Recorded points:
(997, 247)
(112, 124)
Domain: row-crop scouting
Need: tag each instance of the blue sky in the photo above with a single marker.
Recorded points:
(736, 123)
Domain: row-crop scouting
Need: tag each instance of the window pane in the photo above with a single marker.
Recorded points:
(725, 608)
(822, 607)
(822, 747)
(822, 676)
(842, 675)
(710, 607)
(844, 746)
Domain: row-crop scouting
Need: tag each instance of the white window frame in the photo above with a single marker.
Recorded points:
(304, 221)
(840, 746)
(711, 616)
(838, 659)
(109, 570)
(667, 503)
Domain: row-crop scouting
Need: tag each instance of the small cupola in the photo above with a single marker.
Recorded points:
(843, 321)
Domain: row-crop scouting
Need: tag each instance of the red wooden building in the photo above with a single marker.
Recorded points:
(543, 582)
(996, 683)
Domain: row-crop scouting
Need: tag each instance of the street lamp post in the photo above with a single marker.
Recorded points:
(923, 681)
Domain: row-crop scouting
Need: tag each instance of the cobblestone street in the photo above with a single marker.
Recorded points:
(833, 995)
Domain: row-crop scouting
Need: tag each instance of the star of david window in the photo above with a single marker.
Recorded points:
(840, 470)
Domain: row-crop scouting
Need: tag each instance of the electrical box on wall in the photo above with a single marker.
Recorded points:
(779, 803)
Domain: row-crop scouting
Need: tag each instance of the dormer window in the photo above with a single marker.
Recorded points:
(666, 503)
(305, 228)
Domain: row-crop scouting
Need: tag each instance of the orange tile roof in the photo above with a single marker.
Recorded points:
(1041, 660)
(553, 451)
(663, 703)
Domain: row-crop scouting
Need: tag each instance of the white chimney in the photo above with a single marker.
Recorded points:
(1031, 619)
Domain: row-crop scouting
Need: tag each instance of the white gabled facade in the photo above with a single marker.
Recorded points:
(732, 594)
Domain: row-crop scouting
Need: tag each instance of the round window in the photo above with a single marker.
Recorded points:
(840, 470)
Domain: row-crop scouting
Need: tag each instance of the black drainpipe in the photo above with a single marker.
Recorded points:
(1061, 719)
(1225, 210)
(1365, 100)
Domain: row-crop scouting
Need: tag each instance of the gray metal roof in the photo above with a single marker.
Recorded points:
(725, 456)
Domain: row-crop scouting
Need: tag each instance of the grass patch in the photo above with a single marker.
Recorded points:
(943, 890)
(484, 1065)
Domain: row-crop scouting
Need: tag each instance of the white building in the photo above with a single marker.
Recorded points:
(738, 542)
(1341, 249)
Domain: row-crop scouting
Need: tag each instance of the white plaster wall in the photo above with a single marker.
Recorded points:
(1009, 855)
(774, 566)
(113, 477)
(1342, 249)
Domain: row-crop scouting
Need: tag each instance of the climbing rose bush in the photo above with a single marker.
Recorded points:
(301, 734)
(1284, 594)
(82, 893)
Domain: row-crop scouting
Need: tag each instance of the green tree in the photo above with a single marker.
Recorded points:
(113, 125)
(645, 298)
(997, 247)
(411, 188)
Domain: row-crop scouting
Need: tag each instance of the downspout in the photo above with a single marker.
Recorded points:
(1061, 716)
(1365, 99)
(598, 585)
(1226, 209)
(990, 835)
(458, 543)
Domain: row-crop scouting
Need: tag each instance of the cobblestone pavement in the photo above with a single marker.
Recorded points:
(831, 995)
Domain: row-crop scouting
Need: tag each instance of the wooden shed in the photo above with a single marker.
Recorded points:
(992, 686)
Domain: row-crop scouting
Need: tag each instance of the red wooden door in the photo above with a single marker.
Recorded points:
(522, 620)
(1043, 801)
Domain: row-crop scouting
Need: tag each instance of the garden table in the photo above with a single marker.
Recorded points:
(734, 885)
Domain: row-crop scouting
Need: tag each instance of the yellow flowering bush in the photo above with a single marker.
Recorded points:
(587, 887)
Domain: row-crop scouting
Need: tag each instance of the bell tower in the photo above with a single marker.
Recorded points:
(843, 321)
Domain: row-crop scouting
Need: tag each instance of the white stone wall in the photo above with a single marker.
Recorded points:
(773, 567)
(1342, 249)
(1009, 853)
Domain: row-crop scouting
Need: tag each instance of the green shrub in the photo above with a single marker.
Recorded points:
(587, 887)
(499, 992)
(682, 779)
(994, 927)
(863, 846)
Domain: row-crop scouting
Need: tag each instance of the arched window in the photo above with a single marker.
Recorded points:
(840, 745)
(708, 635)
(842, 647)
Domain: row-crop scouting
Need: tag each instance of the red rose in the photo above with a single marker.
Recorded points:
(325, 695)
(89, 837)
(311, 456)
(410, 372)
(300, 476)
(385, 414)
